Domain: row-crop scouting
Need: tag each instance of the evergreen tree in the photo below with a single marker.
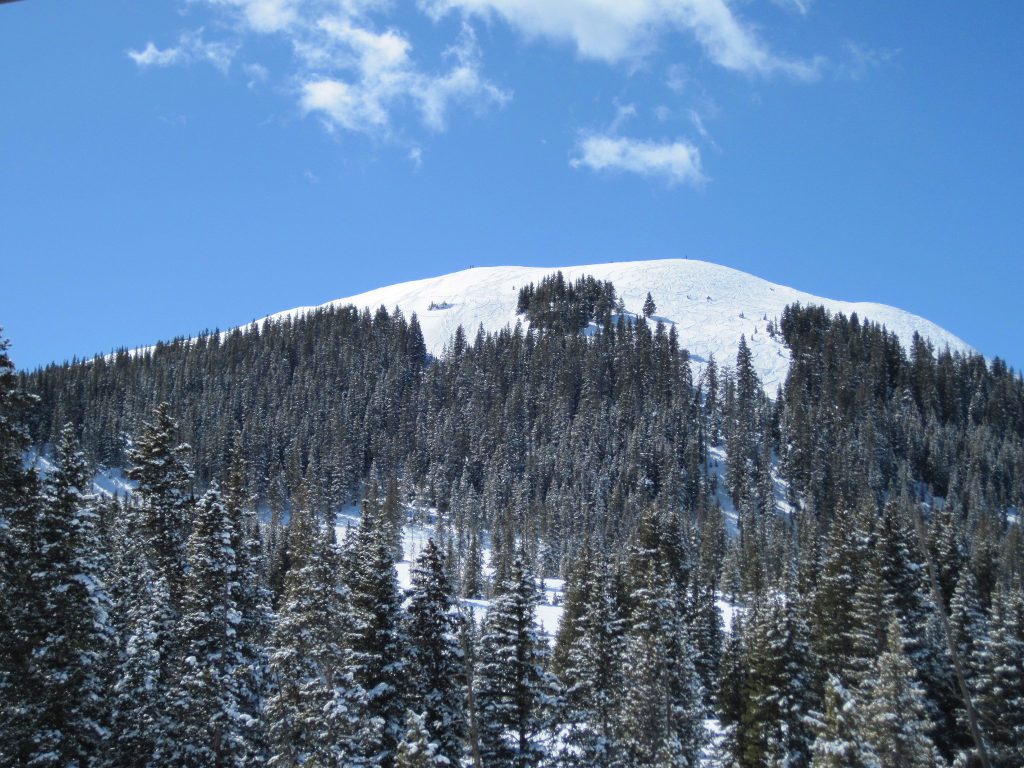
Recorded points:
(163, 477)
(377, 643)
(416, 750)
(19, 620)
(649, 306)
(211, 729)
(968, 621)
(906, 590)
(743, 413)
(896, 721)
(773, 727)
(662, 706)
(593, 673)
(310, 714)
(472, 575)
(516, 696)
(840, 741)
(1000, 683)
(252, 601)
(870, 614)
(72, 662)
(846, 555)
(435, 661)
(143, 725)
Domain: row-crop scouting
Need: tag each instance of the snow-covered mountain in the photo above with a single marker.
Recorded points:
(709, 305)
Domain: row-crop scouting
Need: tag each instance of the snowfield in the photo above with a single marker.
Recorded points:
(709, 305)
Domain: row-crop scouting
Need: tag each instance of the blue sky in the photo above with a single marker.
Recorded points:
(171, 166)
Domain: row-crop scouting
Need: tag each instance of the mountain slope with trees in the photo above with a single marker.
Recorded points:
(579, 443)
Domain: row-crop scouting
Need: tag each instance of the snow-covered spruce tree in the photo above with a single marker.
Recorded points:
(163, 477)
(704, 626)
(377, 645)
(575, 604)
(661, 709)
(517, 698)
(870, 614)
(309, 715)
(743, 413)
(19, 619)
(840, 740)
(472, 572)
(210, 728)
(416, 750)
(773, 726)
(968, 621)
(907, 591)
(436, 667)
(593, 673)
(649, 307)
(72, 662)
(252, 601)
(999, 697)
(846, 553)
(143, 733)
(895, 719)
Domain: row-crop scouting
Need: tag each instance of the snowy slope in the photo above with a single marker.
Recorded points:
(709, 305)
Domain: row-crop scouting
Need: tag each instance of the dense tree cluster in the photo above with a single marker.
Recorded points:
(863, 526)
(558, 305)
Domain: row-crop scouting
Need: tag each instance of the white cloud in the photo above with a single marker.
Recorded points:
(382, 78)
(677, 162)
(151, 56)
(190, 48)
(264, 15)
(352, 69)
(416, 157)
(344, 68)
(622, 30)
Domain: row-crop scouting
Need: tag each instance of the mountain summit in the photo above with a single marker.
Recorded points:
(709, 305)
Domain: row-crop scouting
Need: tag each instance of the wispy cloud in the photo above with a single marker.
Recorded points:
(190, 48)
(677, 162)
(800, 6)
(623, 30)
(859, 61)
(151, 56)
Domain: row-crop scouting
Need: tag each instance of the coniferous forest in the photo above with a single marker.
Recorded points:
(861, 527)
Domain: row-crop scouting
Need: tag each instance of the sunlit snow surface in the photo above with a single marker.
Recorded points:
(709, 305)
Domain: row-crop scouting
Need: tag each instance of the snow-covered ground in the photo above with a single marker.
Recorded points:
(709, 305)
(106, 482)
(716, 470)
(414, 538)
